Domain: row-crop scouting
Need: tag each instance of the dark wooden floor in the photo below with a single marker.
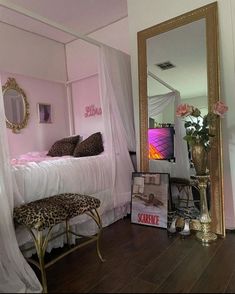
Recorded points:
(142, 259)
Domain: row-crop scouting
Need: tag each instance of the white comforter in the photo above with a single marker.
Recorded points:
(37, 176)
(42, 178)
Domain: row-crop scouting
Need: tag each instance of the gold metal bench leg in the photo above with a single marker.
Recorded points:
(41, 255)
(95, 216)
(41, 245)
(68, 232)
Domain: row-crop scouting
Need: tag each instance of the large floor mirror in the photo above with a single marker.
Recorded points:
(181, 56)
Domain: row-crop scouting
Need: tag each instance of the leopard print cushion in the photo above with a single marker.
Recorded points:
(91, 146)
(40, 214)
(64, 146)
(47, 212)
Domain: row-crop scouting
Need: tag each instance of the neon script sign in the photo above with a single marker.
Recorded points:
(92, 110)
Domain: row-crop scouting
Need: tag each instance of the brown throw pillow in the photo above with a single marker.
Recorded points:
(72, 139)
(91, 146)
(64, 146)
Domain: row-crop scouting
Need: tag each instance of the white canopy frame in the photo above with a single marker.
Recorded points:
(156, 78)
(77, 35)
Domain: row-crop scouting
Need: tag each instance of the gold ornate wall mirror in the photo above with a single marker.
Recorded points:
(16, 106)
(187, 46)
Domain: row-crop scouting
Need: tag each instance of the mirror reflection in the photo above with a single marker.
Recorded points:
(178, 63)
(16, 106)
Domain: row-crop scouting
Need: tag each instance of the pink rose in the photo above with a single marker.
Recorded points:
(219, 108)
(184, 110)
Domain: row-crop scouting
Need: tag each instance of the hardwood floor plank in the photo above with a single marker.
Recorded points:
(218, 273)
(186, 274)
(142, 259)
(231, 284)
(138, 285)
(118, 278)
(160, 268)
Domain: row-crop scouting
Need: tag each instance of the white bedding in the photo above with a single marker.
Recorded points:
(37, 176)
(46, 176)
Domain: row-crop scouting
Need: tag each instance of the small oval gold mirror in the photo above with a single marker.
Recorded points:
(16, 106)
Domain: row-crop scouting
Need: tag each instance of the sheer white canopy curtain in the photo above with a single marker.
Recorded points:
(16, 276)
(181, 167)
(117, 109)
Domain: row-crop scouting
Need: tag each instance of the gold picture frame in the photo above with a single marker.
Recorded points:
(210, 14)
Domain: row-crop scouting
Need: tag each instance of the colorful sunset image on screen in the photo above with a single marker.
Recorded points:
(161, 143)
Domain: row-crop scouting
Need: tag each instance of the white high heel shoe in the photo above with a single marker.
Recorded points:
(186, 229)
(172, 228)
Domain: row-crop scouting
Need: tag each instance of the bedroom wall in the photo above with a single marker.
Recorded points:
(87, 121)
(144, 14)
(39, 136)
(82, 64)
(38, 64)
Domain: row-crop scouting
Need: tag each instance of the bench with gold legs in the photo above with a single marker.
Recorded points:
(40, 216)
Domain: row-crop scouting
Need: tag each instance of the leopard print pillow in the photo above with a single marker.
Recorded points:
(72, 139)
(64, 146)
(91, 146)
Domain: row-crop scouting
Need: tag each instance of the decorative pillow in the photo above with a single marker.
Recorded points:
(91, 146)
(72, 140)
(64, 146)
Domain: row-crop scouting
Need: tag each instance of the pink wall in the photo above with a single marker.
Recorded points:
(34, 58)
(86, 93)
(37, 136)
(82, 63)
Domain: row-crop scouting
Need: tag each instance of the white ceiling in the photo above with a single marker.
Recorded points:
(185, 47)
(81, 16)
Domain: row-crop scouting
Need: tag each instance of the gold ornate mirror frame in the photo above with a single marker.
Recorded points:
(11, 84)
(209, 13)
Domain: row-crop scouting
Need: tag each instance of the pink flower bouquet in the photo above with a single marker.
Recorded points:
(197, 129)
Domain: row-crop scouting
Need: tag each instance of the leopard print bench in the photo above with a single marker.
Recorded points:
(40, 216)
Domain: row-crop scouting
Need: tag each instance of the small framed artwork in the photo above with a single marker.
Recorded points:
(150, 195)
(44, 113)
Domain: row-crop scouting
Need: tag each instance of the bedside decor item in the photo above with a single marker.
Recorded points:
(199, 157)
(16, 106)
(204, 235)
(200, 131)
(149, 199)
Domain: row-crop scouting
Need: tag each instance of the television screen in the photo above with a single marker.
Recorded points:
(161, 143)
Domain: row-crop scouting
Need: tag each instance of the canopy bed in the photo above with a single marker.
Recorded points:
(104, 174)
(107, 176)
